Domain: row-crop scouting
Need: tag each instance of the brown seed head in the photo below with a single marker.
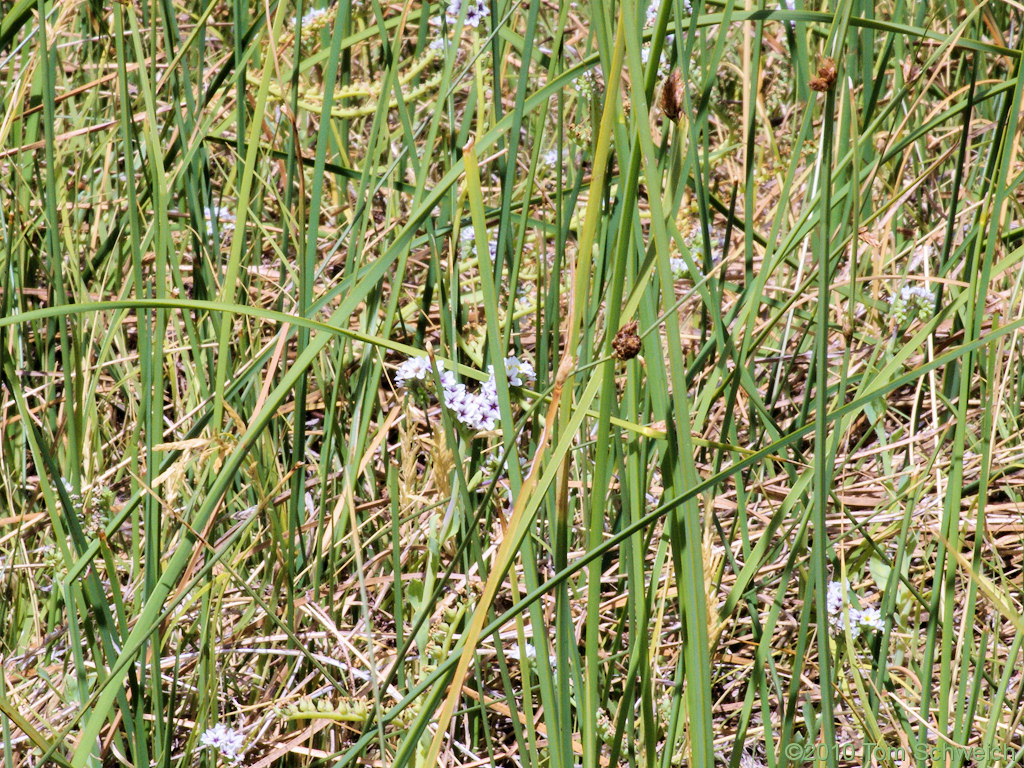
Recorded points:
(672, 96)
(626, 344)
(826, 76)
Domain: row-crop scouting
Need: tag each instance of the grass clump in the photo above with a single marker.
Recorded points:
(510, 384)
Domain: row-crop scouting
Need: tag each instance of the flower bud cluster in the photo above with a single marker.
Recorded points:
(314, 20)
(344, 710)
(222, 215)
(910, 301)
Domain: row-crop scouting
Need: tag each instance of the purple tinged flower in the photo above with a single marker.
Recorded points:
(834, 598)
(475, 13)
(519, 371)
(227, 741)
(652, 13)
(476, 410)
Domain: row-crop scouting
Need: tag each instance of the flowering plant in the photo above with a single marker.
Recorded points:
(476, 410)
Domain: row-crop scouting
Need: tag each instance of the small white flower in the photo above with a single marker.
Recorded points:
(551, 158)
(909, 301)
(476, 410)
(519, 371)
(678, 267)
(528, 652)
(222, 215)
(76, 499)
(313, 16)
(417, 368)
(853, 622)
(870, 618)
(227, 741)
(855, 619)
(586, 84)
(838, 618)
(916, 294)
(468, 239)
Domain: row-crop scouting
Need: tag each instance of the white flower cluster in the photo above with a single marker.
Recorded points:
(476, 12)
(476, 410)
(468, 242)
(518, 371)
(645, 56)
(652, 13)
(528, 652)
(225, 740)
(680, 270)
(655, 6)
(910, 300)
(311, 24)
(220, 214)
(415, 368)
(856, 619)
(313, 17)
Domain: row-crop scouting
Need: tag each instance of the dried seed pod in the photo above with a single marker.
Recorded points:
(626, 344)
(826, 76)
(672, 96)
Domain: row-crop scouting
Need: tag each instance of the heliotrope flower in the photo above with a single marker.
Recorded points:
(909, 301)
(645, 56)
(552, 158)
(855, 619)
(652, 13)
(414, 368)
(518, 371)
(227, 741)
(586, 84)
(476, 410)
(655, 6)
(223, 216)
(834, 597)
(870, 618)
(477, 11)
(467, 239)
(315, 16)
(678, 267)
